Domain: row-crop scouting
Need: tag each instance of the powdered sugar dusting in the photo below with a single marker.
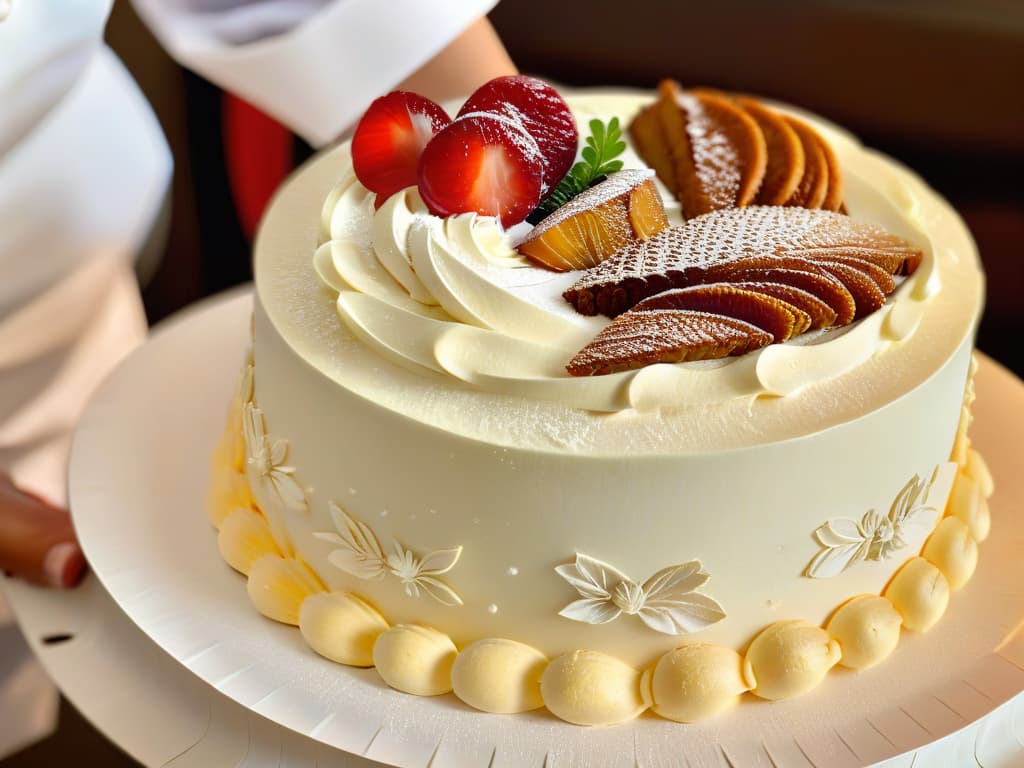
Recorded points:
(510, 129)
(616, 184)
(715, 159)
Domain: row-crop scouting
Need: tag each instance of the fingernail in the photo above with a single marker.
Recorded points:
(62, 564)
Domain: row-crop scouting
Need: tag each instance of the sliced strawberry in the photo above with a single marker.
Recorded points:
(482, 163)
(389, 139)
(542, 112)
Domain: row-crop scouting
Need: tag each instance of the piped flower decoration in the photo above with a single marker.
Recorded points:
(360, 554)
(876, 536)
(270, 478)
(668, 602)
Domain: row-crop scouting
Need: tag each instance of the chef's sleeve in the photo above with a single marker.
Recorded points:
(314, 65)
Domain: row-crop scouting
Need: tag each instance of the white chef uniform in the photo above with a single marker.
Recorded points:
(84, 173)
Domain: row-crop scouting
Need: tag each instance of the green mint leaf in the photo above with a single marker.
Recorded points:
(601, 147)
(611, 167)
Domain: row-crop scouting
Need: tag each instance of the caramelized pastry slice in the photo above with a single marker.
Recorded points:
(776, 317)
(866, 295)
(717, 149)
(834, 192)
(879, 276)
(785, 153)
(813, 187)
(823, 286)
(650, 143)
(728, 268)
(622, 209)
(895, 260)
(642, 337)
(820, 314)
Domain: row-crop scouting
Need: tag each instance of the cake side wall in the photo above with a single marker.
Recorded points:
(749, 516)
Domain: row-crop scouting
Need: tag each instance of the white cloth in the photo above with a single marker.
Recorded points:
(84, 170)
(45, 50)
(319, 76)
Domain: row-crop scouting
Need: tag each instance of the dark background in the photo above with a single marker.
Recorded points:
(939, 85)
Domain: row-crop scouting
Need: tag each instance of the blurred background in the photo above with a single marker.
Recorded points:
(937, 84)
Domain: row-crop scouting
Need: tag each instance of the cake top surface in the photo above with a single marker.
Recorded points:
(440, 320)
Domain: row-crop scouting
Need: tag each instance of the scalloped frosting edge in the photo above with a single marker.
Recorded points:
(691, 682)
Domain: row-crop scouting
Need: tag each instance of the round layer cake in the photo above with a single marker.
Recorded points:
(413, 438)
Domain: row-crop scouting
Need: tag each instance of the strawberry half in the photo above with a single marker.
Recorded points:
(542, 112)
(390, 138)
(482, 163)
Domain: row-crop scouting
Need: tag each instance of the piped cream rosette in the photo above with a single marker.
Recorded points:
(451, 296)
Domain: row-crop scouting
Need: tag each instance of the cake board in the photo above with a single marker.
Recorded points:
(143, 445)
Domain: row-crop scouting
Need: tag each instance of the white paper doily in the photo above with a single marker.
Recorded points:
(139, 471)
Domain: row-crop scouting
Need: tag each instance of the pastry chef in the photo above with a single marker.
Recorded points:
(84, 178)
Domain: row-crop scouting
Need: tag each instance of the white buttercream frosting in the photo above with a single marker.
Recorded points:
(452, 296)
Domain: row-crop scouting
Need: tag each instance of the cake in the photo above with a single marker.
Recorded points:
(412, 476)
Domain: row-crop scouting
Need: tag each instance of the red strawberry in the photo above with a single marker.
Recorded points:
(541, 111)
(482, 163)
(389, 139)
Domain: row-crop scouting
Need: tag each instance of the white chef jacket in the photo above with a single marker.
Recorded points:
(84, 174)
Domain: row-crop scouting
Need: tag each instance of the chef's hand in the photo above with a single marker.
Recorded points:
(37, 541)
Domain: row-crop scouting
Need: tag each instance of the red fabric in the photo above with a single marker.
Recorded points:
(258, 152)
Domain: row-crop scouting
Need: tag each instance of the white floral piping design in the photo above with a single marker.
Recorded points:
(876, 536)
(265, 465)
(667, 602)
(361, 555)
